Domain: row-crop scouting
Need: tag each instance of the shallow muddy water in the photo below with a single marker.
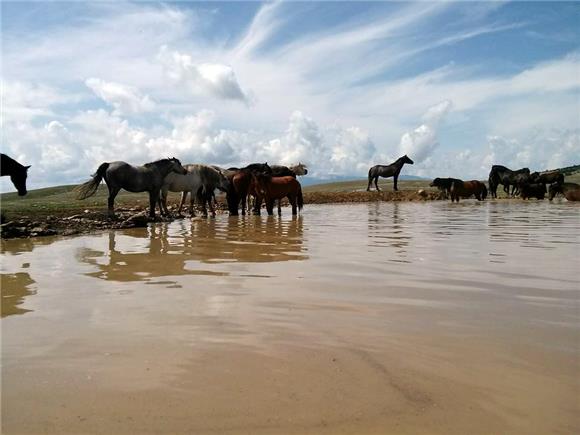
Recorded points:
(366, 318)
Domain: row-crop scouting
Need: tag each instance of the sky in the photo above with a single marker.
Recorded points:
(340, 86)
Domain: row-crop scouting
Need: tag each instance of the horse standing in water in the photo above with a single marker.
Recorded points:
(571, 191)
(501, 175)
(121, 175)
(16, 172)
(464, 189)
(385, 171)
(276, 188)
(240, 181)
(200, 181)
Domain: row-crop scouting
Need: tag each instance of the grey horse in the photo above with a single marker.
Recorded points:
(199, 180)
(121, 175)
(385, 171)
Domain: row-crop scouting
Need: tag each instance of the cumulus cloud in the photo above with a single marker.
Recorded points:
(420, 143)
(215, 79)
(125, 99)
(543, 149)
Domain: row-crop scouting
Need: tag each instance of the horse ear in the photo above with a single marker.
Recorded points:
(26, 167)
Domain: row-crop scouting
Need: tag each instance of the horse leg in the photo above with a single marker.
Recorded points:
(376, 183)
(113, 191)
(369, 185)
(293, 203)
(395, 178)
(191, 203)
(183, 198)
(244, 203)
(153, 199)
(210, 203)
(280, 207)
(270, 207)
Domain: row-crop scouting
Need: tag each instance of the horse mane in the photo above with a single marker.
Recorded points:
(156, 162)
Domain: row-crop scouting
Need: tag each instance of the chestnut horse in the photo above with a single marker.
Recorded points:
(465, 189)
(571, 191)
(273, 188)
(240, 181)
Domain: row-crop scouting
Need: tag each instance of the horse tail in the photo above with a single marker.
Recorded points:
(371, 172)
(299, 198)
(484, 192)
(89, 188)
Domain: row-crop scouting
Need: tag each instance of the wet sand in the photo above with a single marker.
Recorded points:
(372, 318)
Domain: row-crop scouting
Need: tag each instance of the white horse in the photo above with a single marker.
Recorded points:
(200, 181)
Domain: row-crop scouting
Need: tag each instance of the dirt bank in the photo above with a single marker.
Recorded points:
(34, 222)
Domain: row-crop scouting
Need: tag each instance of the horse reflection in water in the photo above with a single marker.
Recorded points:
(386, 229)
(201, 248)
(14, 288)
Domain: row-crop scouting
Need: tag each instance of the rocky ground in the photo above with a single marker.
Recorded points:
(34, 223)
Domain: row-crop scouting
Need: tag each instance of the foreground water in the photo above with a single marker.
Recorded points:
(367, 318)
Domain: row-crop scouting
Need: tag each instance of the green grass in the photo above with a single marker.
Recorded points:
(61, 200)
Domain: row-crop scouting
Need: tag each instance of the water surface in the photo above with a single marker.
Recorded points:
(366, 318)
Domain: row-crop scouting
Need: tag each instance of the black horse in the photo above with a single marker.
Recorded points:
(385, 171)
(505, 176)
(444, 185)
(17, 173)
(121, 175)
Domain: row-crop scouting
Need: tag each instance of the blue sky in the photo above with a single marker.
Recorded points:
(341, 86)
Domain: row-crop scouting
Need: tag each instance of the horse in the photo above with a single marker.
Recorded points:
(547, 177)
(199, 180)
(276, 188)
(240, 181)
(571, 191)
(532, 190)
(444, 185)
(291, 171)
(17, 173)
(465, 189)
(385, 171)
(121, 175)
(505, 176)
(277, 171)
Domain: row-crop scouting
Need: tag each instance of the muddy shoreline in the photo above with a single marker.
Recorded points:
(83, 221)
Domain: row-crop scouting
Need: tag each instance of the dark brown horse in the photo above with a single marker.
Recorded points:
(276, 188)
(571, 191)
(465, 189)
(444, 185)
(392, 170)
(547, 177)
(240, 181)
(17, 173)
(501, 175)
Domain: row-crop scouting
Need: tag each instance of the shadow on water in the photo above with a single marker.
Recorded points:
(182, 248)
(15, 287)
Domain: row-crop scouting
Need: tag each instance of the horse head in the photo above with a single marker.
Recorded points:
(177, 167)
(435, 183)
(299, 169)
(19, 180)
(407, 160)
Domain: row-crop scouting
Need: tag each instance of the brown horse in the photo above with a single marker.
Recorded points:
(571, 191)
(273, 188)
(240, 181)
(465, 189)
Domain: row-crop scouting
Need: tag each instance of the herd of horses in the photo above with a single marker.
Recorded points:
(515, 183)
(267, 184)
(260, 181)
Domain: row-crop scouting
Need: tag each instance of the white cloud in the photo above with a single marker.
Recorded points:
(125, 99)
(204, 78)
(420, 143)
